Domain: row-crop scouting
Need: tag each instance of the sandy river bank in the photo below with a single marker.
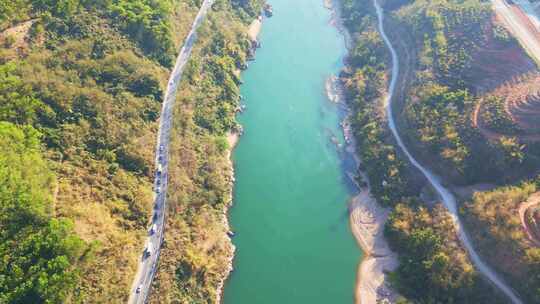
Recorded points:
(367, 218)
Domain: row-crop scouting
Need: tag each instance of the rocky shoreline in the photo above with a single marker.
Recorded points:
(232, 139)
(367, 217)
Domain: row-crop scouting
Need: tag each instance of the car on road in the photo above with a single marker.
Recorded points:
(148, 250)
(153, 229)
(139, 288)
(159, 169)
(158, 188)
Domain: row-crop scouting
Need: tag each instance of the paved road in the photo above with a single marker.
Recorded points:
(522, 27)
(529, 10)
(446, 196)
(148, 265)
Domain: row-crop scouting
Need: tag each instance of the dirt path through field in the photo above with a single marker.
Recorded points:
(534, 200)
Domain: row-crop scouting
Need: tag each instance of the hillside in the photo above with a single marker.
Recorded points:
(81, 84)
(196, 257)
(461, 74)
(474, 123)
(498, 224)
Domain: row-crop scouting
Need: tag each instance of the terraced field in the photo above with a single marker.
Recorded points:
(513, 109)
(526, 110)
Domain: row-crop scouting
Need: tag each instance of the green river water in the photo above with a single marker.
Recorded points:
(290, 215)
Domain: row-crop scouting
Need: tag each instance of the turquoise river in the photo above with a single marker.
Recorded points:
(290, 214)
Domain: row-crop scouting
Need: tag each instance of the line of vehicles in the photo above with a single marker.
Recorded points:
(149, 249)
(156, 232)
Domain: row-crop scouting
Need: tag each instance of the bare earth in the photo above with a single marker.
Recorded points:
(254, 29)
(19, 34)
(533, 201)
(367, 220)
(366, 217)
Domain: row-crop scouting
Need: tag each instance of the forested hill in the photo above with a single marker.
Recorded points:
(145, 22)
(460, 69)
(81, 83)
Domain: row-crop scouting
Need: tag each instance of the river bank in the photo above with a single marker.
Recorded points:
(367, 218)
(290, 213)
(233, 137)
(448, 199)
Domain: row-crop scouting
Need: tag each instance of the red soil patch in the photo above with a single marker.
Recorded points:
(496, 63)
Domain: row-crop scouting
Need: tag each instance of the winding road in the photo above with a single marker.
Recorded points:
(447, 197)
(149, 260)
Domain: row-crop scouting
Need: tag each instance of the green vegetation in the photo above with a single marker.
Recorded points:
(434, 110)
(247, 9)
(39, 253)
(92, 91)
(496, 118)
(432, 266)
(145, 21)
(438, 113)
(449, 31)
(91, 86)
(439, 120)
(195, 257)
(363, 82)
(441, 100)
(502, 35)
(493, 218)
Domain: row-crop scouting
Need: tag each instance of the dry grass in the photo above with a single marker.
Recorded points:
(14, 41)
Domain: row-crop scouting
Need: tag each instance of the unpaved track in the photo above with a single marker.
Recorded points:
(148, 265)
(533, 201)
(446, 196)
(492, 135)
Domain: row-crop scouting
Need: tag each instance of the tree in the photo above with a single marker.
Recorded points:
(17, 102)
(38, 253)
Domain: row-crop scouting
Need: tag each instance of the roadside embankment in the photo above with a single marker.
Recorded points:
(196, 255)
